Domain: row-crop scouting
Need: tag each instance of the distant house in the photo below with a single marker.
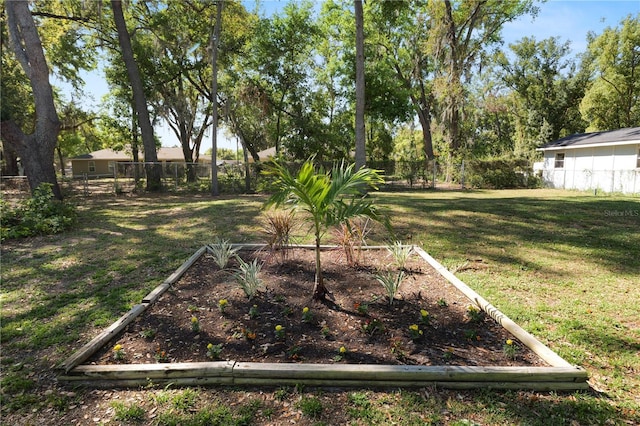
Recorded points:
(103, 162)
(265, 154)
(606, 161)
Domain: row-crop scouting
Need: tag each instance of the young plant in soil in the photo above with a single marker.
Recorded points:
(329, 198)
(222, 252)
(247, 277)
(400, 254)
(391, 283)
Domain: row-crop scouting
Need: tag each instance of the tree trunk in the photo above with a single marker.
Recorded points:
(187, 153)
(135, 147)
(247, 170)
(454, 128)
(61, 160)
(37, 149)
(451, 112)
(422, 105)
(153, 168)
(361, 157)
(278, 120)
(319, 290)
(243, 140)
(9, 161)
(215, 42)
(424, 117)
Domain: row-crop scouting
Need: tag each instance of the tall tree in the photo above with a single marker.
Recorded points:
(402, 69)
(547, 91)
(492, 117)
(170, 45)
(462, 33)
(65, 32)
(36, 149)
(215, 44)
(278, 68)
(15, 92)
(360, 86)
(612, 100)
(152, 167)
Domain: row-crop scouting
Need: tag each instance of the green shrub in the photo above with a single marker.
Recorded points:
(499, 173)
(41, 214)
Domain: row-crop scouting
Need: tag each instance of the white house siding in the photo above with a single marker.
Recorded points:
(608, 169)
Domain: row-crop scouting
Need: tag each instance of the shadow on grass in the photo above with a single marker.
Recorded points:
(533, 408)
(608, 231)
(121, 249)
(124, 248)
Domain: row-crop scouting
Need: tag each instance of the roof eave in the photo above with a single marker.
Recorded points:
(595, 145)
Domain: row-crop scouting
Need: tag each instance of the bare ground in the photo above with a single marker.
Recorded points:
(187, 325)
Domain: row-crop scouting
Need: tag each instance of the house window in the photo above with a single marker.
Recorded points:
(112, 165)
(638, 159)
(92, 166)
(559, 160)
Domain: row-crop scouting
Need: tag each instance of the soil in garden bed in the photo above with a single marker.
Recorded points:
(360, 319)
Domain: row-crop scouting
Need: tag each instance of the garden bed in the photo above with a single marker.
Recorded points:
(199, 327)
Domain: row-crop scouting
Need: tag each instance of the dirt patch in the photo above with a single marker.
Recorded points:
(187, 325)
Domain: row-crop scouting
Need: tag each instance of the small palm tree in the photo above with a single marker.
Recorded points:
(329, 199)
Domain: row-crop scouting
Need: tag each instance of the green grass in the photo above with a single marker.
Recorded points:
(561, 264)
(128, 412)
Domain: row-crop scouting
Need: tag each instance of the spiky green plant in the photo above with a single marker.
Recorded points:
(391, 283)
(247, 277)
(400, 253)
(222, 252)
(328, 198)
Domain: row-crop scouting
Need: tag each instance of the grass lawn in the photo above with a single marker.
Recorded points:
(564, 265)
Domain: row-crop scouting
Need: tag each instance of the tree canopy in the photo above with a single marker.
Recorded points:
(288, 79)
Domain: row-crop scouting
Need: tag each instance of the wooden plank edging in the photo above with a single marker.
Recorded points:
(560, 376)
(538, 386)
(155, 371)
(277, 374)
(529, 340)
(158, 291)
(324, 247)
(97, 342)
(401, 373)
(100, 340)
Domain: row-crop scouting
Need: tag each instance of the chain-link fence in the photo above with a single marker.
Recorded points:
(129, 177)
(237, 177)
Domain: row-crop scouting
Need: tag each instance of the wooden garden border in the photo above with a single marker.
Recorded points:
(560, 375)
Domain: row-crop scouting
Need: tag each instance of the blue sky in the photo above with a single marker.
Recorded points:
(570, 20)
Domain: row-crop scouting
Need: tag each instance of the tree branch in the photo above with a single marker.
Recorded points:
(78, 125)
(62, 17)
(12, 134)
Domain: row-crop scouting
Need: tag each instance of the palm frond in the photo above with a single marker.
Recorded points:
(330, 198)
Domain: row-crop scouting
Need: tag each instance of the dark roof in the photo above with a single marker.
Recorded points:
(620, 136)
